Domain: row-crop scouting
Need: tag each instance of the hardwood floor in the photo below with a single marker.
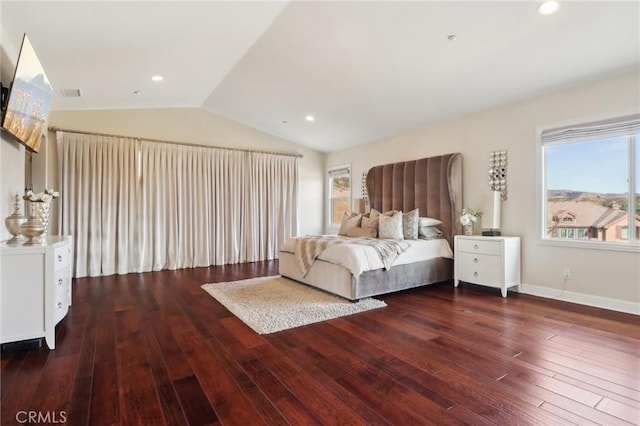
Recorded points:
(154, 348)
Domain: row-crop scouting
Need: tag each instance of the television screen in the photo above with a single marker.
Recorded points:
(29, 98)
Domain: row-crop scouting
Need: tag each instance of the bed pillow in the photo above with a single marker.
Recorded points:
(368, 222)
(391, 227)
(375, 213)
(362, 232)
(429, 233)
(428, 221)
(349, 221)
(410, 225)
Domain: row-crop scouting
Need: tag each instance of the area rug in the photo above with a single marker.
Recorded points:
(275, 303)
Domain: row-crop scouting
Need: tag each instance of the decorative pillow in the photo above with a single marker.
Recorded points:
(427, 221)
(391, 227)
(362, 232)
(349, 221)
(410, 225)
(375, 213)
(429, 233)
(368, 222)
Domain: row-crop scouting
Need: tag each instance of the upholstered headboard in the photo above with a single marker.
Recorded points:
(433, 185)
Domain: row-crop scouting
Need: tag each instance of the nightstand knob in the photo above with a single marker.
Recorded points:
(475, 246)
(59, 305)
(475, 260)
(59, 258)
(60, 281)
(475, 274)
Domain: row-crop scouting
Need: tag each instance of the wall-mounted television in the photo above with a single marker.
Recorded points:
(26, 105)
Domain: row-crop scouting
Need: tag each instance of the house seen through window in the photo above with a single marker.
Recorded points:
(339, 194)
(591, 182)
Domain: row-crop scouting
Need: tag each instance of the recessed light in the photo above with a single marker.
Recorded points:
(157, 78)
(548, 7)
(452, 37)
(309, 118)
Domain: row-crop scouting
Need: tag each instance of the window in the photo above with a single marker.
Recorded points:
(339, 194)
(591, 180)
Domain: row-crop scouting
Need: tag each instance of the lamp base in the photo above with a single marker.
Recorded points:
(491, 233)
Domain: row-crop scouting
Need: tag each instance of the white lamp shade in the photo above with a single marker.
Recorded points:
(492, 211)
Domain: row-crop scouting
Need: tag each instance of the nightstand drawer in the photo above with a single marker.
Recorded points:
(480, 246)
(479, 269)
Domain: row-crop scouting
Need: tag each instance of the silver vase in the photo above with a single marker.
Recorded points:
(34, 227)
(14, 220)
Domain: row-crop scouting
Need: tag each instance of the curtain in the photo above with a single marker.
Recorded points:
(619, 126)
(186, 206)
(272, 199)
(98, 191)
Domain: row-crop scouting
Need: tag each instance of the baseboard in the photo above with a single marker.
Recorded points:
(581, 298)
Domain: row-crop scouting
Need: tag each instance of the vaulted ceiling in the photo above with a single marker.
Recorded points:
(364, 70)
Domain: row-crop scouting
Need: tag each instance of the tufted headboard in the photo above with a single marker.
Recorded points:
(433, 185)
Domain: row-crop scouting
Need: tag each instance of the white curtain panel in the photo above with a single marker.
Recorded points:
(185, 206)
(272, 199)
(98, 190)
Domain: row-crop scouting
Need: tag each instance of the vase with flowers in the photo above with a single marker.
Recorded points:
(468, 218)
(38, 222)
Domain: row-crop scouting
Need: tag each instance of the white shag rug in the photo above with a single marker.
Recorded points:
(275, 303)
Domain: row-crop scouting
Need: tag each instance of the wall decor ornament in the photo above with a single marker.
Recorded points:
(498, 172)
(363, 183)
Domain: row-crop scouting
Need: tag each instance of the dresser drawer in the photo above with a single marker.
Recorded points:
(480, 246)
(61, 282)
(61, 257)
(479, 269)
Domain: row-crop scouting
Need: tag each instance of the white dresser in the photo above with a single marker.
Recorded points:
(489, 261)
(35, 289)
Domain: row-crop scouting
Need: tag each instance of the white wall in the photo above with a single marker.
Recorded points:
(197, 126)
(11, 152)
(595, 273)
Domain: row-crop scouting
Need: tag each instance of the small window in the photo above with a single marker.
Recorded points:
(339, 194)
(591, 181)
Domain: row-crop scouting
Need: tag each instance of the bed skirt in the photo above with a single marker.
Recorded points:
(338, 280)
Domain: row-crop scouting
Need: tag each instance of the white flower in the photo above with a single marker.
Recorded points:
(41, 197)
(469, 216)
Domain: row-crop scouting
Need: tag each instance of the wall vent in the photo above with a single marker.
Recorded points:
(71, 93)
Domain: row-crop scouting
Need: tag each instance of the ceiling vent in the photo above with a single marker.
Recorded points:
(71, 93)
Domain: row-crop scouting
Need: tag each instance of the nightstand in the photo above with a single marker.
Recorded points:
(488, 261)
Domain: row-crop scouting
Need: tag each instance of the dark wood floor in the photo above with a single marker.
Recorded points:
(156, 349)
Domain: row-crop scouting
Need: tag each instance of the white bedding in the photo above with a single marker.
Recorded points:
(358, 259)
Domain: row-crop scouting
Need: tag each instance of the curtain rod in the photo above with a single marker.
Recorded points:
(82, 132)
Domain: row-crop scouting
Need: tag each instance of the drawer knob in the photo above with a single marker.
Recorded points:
(475, 260)
(475, 274)
(59, 258)
(59, 305)
(475, 246)
(60, 281)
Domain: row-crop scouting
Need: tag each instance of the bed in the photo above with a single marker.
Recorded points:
(434, 186)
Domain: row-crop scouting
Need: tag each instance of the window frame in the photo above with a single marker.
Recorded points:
(541, 188)
(332, 173)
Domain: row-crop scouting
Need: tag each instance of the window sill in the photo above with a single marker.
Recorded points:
(591, 245)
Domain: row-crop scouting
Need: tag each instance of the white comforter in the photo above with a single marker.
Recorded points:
(358, 259)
